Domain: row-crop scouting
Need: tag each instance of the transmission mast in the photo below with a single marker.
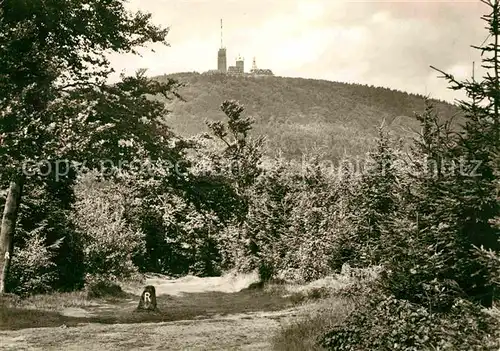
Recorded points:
(221, 43)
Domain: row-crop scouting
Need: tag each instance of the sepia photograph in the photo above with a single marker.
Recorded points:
(265, 175)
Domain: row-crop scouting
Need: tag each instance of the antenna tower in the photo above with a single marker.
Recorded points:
(221, 44)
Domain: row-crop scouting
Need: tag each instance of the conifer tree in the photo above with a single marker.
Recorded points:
(374, 202)
(472, 203)
(418, 243)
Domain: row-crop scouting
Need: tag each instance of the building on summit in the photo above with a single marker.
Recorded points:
(221, 60)
(240, 64)
(239, 68)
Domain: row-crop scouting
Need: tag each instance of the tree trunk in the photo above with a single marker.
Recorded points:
(7, 228)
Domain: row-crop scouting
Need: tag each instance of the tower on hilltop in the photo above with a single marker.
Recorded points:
(257, 72)
(254, 64)
(221, 56)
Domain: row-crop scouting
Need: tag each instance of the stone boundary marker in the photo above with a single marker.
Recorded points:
(148, 299)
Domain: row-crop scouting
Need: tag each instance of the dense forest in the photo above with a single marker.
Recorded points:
(302, 115)
(103, 183)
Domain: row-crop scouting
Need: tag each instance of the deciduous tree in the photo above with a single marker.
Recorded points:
(54, 100)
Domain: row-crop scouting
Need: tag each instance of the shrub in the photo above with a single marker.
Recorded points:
(98, 288)
(315, 293)
(109, 241)
(32, 270)
(302, 334)
(191, 236)
(387, 323)
(46, 208)
(357, 282)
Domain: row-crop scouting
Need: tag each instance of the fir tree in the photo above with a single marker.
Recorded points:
(471, 195)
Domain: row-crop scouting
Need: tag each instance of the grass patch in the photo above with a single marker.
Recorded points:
(310, 295)
(18, 318)
(47, 302)
(303, 334)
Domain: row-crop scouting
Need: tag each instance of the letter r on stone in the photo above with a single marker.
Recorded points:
(147, 297)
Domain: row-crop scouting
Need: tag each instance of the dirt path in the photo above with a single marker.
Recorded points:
(247, 331)
(218, 316)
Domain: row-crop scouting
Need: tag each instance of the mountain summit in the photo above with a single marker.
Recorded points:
(301, 115)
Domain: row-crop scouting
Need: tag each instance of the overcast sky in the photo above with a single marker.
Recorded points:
(384, 43)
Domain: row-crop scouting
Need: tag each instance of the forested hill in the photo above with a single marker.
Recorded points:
(300, 115)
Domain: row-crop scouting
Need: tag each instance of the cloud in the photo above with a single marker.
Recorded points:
(400, 41)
